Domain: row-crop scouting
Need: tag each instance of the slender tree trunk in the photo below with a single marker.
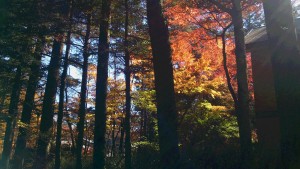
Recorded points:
(88, 144)
(150, 127)
(142, 122)
(70, 124)
(113, 147)
(83, 91)
(27, 108)
(286, 70)
(228, 79)
(127, 91)
(46, 123)
(115, 139)
(11, 119)
(145, 125)
(3, 96)
(86, 138)
(63, 77)
(164, 85)
(38, 116)
(121, 137)
(242, 110)
(101, 88)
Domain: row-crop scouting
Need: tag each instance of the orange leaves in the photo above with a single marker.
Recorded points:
(182, 16)
(196, 51)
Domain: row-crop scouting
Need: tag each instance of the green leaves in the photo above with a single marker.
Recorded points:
(145, 100)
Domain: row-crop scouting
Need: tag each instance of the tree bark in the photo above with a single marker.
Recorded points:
(242, 111)
(286, 70)
(83, 94)
(46, 123)
(127, 93)
(27, 108)
(101, 88)
(164, 85)
(11, 119)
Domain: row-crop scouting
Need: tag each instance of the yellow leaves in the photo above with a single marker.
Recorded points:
(90, 116)
(221, 110)
(23, 125)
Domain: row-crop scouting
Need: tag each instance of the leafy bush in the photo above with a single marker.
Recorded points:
(115, 162)
(145, 155)
(209, 137)
(69, 162)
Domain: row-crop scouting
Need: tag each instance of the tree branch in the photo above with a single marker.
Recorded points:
(220, 6)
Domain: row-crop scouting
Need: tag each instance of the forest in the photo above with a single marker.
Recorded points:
(149, 84)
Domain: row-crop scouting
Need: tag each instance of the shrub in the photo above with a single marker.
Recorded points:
(145, 155)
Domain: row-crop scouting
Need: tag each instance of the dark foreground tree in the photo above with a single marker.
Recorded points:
(127, 91)
(45, 134)
(286, 69)
(242, 101)
(11, 119)
(164, 86)
(83, 90)
(243, 109)
(28, 106)
(101, 87)
(63, 77)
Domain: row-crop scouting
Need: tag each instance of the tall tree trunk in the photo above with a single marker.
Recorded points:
(11, 119)
(46, 123)
(242, 110)
(164, 85)
(82, 107)
(27, 108)
(113, 147)
(101, 88)
(127, 93)
(286, 70)
(63, 77)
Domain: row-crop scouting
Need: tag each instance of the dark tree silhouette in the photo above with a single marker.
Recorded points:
(11, 119)
(62, 88)
(83, 90)
(164, 86)
(128, 97)
(242, 101)
(28, 106)
(101, 87)
(46, 124)
(243, 110)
